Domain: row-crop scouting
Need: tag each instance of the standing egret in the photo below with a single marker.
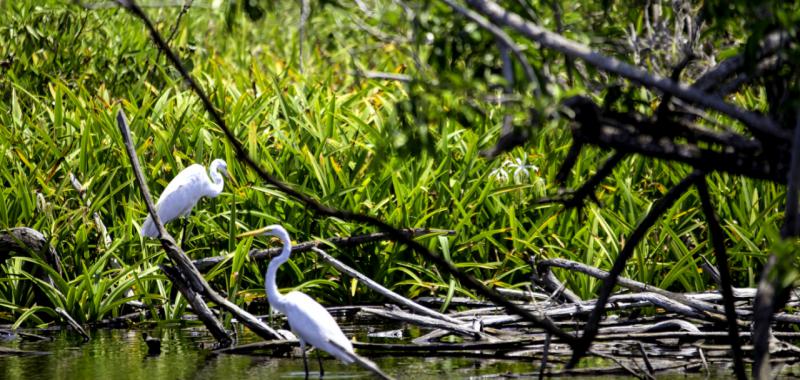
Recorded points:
(307, 318)
(183, 192)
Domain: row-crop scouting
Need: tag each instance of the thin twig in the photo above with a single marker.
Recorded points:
(504, 38)
(587, 189)
(186, 5)
(770, 289)
(305, 10)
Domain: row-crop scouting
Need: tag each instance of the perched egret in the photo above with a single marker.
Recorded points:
(183, 192)
(307, 318)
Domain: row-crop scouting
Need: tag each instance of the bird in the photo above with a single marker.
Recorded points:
(153, 344)
(309, 320)
(184, 191)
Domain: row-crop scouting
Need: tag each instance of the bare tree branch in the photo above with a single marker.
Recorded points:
(761, 126)
(726, 287)
(771, 294)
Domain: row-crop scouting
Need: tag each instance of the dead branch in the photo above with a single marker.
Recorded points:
(28, 240)
(658, 208)
(207, 263)
(726, 287)
(761, 126)
(392, 296)
(190, 277)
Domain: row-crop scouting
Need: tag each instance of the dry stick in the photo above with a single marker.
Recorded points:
(618, 362)
(75, 325)
(321, 209)
(362, 362)
(25, 239)
(394, 297)
(186, 5)
(722, 71)
(187, 281)
(426, 321)
(385, 76)
(101, 228)
(759, 125)
(769, 286)
(646, 359)
(508, 138)
(718, 241)
(263, 254)
(697, 304)
(658, 208)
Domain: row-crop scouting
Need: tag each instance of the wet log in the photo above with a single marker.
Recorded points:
(30, 241)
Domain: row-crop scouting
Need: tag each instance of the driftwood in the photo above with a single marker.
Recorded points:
(28, 240)
(34, 244)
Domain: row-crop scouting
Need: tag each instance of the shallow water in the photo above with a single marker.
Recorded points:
(122, 354)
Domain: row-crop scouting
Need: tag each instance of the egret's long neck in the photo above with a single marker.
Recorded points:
(217, 183)
(276, 299)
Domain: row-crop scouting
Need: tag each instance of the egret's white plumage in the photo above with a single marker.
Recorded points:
(183, 192)
(307, 318)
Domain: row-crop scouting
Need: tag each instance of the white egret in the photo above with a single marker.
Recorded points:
(183, 192)
(307, 318)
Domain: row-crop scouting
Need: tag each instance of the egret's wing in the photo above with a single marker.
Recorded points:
(182, 193)
(311, 322)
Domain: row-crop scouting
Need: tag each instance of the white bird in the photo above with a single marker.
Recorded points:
(183, 192)
(307, 318)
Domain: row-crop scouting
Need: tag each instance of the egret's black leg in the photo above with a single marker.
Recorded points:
(321, 370)
(305, 360)
(185, 223)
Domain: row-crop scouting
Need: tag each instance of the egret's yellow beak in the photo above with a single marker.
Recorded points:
(259, 231)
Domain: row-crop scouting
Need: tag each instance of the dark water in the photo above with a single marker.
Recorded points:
(122, 354)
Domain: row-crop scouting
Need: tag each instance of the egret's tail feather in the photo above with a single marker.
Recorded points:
(149, 228)
(361, 361)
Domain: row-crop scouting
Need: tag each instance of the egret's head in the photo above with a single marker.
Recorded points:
(272, 230)
(221, 166)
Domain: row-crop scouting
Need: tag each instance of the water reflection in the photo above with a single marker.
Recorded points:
(122, 354)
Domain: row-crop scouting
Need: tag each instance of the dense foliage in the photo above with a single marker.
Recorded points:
(408, 153)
